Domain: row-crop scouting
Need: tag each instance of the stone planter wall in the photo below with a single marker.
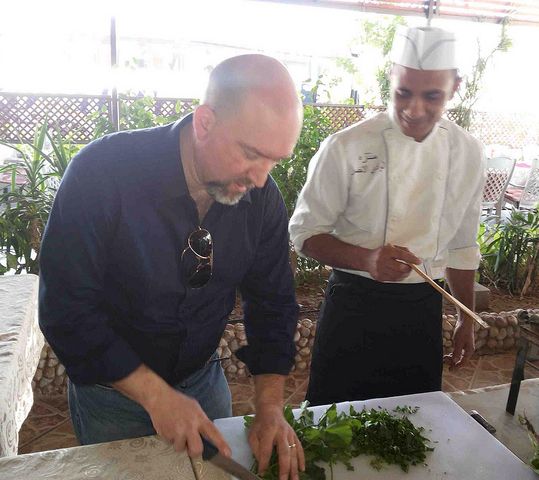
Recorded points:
(502, 334)
(50, 377)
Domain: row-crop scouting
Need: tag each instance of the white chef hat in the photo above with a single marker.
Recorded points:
(424, 48)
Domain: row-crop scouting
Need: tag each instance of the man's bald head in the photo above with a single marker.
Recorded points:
(236, 79)
(249, 119)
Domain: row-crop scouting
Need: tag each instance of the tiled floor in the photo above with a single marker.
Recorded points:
(48, 426)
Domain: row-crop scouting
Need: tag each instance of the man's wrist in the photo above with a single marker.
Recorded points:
(364, 259)
(143, 386)
(465, 320)
(269, 392)
(266, 406)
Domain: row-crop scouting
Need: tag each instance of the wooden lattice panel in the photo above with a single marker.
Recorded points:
(514, 130)
(342, 116)
(173, 108)
(21, 114)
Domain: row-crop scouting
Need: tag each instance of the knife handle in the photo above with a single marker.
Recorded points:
(210, 450)
(481, 420)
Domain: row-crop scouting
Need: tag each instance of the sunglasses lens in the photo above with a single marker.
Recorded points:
(200, 242)
(201, 276)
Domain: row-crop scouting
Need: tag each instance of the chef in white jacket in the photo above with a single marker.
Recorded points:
(403, 186)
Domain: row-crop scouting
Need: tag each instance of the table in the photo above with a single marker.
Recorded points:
(21, 343)
(464, 449)
(137, 459)
(490, 403)
(529, 335)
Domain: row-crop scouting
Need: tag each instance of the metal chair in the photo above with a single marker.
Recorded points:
(527, 197)
(499, 171)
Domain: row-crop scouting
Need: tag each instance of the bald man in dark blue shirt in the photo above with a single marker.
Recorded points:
(150, 235)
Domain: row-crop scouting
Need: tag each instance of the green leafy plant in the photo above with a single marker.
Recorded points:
(24, 209)
(389, 437)
(380, 34)
(290, 174)
(509, 252)
(534, 439)
(468, 94)
(133, 114)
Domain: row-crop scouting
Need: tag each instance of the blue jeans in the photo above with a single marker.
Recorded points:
(101, 413)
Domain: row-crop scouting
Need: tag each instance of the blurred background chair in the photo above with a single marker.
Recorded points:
(499, 171)
(527, 197)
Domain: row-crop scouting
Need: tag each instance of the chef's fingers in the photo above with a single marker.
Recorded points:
(403, 253)
(465, 357)
(286, 452)
(293, 472)
(263, 453)
(254, 444)
(288, 467)
(398, 267)
(297, 457)
(211, 432)
(460, 363)
(179, 443)
(301, 455)
(458, 358)
(194, 444)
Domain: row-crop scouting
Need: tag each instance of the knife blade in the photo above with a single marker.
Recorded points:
(211, 454)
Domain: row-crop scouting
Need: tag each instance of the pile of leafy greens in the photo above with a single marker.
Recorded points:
(390, 437)
(534, 439)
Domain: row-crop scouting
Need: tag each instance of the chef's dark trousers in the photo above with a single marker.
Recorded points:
(375, 340)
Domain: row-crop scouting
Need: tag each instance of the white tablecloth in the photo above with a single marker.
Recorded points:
(21, 343)
(146, 458)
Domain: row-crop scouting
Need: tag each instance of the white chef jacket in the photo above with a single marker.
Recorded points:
(370, 185)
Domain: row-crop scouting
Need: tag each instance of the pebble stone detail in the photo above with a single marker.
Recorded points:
(502, 334)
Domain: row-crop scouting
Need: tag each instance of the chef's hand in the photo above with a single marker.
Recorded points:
(384, 266)
(463, 343)
(175, 416)
(180, 420)
(270, 429)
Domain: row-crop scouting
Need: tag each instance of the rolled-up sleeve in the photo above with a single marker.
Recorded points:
(73, 262)
(269, 301)
(463, 249)
(323, 198)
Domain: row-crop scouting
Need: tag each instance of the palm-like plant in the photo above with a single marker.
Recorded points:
(25, 209)
(510, 252)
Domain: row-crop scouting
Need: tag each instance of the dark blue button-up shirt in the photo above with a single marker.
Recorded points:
(112, 280)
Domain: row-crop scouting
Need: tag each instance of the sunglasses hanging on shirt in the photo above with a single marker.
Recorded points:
(200, 244)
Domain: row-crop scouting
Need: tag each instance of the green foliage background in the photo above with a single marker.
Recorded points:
(509, 252)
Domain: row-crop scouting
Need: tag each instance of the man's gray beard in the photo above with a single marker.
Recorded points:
(219, 194)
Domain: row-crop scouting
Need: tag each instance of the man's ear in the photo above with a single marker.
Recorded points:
(456, 85)
(203, 122)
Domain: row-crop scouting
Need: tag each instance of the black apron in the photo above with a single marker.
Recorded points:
(375, 340)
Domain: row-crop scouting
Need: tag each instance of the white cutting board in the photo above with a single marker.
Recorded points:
(465, 450)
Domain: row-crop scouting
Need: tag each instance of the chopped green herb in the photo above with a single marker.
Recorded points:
(339, 437)
(534, 439)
